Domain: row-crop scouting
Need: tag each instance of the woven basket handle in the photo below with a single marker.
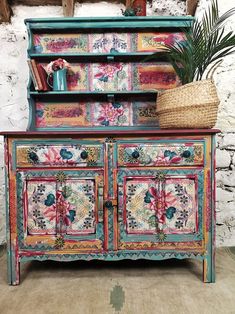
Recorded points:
(212, 70)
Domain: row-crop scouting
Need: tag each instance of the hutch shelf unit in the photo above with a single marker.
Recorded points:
(94, 177)
(110, 83)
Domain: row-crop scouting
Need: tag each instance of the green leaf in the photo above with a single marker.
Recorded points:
(206, 42)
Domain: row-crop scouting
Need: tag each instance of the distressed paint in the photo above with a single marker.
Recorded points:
(41, 239)
(111, 241)
(45, 223)
(102, 43)
(14, 109)
(35, 154)
(152, 154)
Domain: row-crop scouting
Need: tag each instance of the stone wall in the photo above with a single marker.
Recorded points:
(14, 106)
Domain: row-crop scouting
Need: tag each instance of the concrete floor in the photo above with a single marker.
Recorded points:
(126, 287)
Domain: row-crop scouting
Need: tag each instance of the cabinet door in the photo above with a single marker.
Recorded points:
(60, 209)
(160, 209)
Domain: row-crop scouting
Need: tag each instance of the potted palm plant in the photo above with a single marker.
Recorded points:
(195, 103)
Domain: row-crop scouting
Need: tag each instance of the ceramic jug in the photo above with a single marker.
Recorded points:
(59, 80)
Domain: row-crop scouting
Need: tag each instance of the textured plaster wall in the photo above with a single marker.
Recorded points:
(14, 106)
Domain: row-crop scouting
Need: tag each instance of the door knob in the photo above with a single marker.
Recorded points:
(135, 154)
(84, 155)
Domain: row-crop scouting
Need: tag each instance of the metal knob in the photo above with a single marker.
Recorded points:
(135, 154)
(84, 155)
(108, 204)
(186, 154)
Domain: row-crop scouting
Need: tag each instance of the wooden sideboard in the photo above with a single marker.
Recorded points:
(110, 196)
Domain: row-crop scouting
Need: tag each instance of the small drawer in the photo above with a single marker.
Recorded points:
(59, 154)
(161, 154)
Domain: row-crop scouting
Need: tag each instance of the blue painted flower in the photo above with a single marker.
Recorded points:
(65, 154)
(72, 214)
(170, 154)
(50, 200)
(147, 197)
(170, 211)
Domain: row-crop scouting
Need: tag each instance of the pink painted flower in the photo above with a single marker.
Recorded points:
(61, 44)
(161, 159)
(110, 113)
(107, 71)
(159, 201)
(60, 212)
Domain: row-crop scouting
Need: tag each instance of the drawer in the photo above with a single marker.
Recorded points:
(76, 154)
(161, 154)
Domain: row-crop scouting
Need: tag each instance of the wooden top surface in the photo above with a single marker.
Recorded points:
(160, 132)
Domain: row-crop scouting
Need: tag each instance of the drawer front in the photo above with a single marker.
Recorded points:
(76, 154)
(161, 154)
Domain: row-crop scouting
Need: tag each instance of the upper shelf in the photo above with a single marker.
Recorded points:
(116, 37)
(109, 96)
(100, 57)
(133, 22)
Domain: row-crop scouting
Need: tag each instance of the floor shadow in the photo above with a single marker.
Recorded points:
(140, 268)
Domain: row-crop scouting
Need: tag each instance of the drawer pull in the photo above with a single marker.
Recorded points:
(135, 154)
(84, 155)
(186, 154)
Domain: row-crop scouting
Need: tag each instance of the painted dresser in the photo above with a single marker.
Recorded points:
(94, 177)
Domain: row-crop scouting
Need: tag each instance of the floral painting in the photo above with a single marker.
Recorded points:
(61, 208)
(57, 43)
(171, 208)
(110, 77)
(60, 155)
(40, 195)
(100, 114)
(150, 42)
(108, 43)
(120, 76)
(112, 114)
(160, 155)
(62, 115)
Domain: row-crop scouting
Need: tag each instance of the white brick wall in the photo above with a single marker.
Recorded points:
(14, 106)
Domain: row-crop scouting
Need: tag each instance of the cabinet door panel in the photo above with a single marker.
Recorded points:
(40, 205)
(64, 205)
(81, 198)
(157, 210)
(174, 209)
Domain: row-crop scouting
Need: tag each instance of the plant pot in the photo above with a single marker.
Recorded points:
(194, 105)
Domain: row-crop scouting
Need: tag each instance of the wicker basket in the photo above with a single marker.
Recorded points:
(194, 105)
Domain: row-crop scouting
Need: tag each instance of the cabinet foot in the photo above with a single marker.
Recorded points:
(14, 272)
(208, 270)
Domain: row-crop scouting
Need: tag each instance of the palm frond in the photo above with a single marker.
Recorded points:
(206, 43)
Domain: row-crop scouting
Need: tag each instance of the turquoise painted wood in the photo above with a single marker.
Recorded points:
(72, 198)
(94, 177)
(106, 57)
